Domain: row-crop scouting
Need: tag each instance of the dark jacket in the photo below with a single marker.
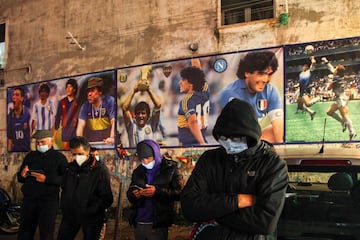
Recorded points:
(53, 164)
(86, 192)
(168, 183)
(212, 189)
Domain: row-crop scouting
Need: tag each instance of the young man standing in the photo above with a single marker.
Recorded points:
(236, 191)
(43, 111)
(86, 194)
(194, 108)
(155, 185)
(18, 123)
(67, 113)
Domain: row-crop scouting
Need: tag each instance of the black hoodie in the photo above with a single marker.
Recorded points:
(211, 192)
(238, 118)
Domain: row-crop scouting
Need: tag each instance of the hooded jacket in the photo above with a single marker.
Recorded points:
(238, 118)
(211, 191)
(168, 183)
(86, 192)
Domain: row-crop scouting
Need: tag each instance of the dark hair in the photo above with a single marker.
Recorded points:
(73, 83)
(195, 76)
(79, 141)
(93, 149)
(44, 88)
(257, 61)
(142, 106)
(22, 92)
(340, 70)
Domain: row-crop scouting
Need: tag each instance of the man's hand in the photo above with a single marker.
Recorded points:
(246, 200)
(313, 60)
(24, 171)
(137, 193)
(39, 176)
(109, 140)
(324, 60)
(149, 191)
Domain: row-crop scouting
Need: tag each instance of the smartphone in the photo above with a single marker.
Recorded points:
(136, 187)
(35, 171)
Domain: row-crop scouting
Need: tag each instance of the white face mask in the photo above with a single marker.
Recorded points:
(232, 147)
(80, 159)
(150, 165)
(42, 148)
(97, 157)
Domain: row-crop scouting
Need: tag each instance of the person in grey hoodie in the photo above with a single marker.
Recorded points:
(236, 191)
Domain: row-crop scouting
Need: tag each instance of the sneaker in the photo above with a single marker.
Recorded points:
(312, 115)
(352, 136)
(344, 126)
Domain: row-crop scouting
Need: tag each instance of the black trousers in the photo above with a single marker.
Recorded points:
(38, 213)
(147, 232)
(68, 230)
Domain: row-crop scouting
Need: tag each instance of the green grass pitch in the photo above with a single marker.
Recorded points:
(300, 129)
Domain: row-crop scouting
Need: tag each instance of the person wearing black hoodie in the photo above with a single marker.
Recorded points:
(155, 185)
(236, 191)
(86, 193)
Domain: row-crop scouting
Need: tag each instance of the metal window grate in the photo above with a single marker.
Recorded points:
(234, 11)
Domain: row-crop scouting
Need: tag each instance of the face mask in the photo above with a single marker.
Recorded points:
(97, 157)
(80, 159)
(150, 165)
(42, 148)
(232, 147)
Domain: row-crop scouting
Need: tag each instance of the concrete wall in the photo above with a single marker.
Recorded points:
(119, 33)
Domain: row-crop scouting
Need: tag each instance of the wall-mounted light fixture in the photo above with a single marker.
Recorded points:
(193, 47)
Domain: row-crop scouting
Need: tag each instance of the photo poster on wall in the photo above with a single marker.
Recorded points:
(83, 105)
(322, 82)
(154, 102)
(297, 106)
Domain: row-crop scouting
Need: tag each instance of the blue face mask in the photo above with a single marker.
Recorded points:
(42, 148)
(233, 147)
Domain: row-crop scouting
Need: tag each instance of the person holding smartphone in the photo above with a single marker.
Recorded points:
(155, 184)
(41, 174)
